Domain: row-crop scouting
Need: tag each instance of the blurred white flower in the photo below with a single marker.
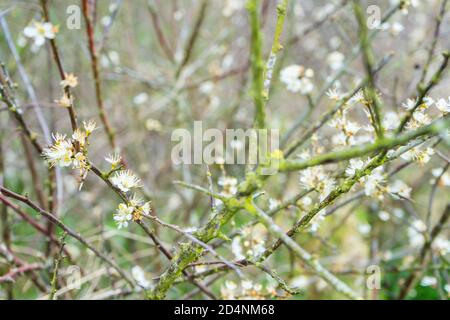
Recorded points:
(40, 31)
(139, 275)
(364, 229)
(153, 125)
(396, 28)
(372, 183)
(69, 80)
(400, 188)
(354, 165)
(421, 118)
(334, 94)
(140, 98)
(428, 281)
(441, 245)
(384, 216)
(335, 60)
(229, 185)
(419, 225)
(236, 248)
(231, 6)
(297, 79)
(64, 101)
(273, 203)
(391, 120)
(416, 238)
(420, 156)
(428, 101)
(306, 201)
(206, 87)
(247, 284)
(443, 105)
(357, 97)
(409, 104)
(228, 291)
(300, 282)
(444, 181)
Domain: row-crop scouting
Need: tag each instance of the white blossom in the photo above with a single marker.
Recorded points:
(400, 188)
(125, 180)
(354, 165)
(39, 32)
(443, 105)
(123, 215)
(373, 182)
(60, 153)
(409, 104)
(418, 155)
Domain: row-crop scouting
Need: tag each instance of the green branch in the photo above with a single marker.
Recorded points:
(257, 64)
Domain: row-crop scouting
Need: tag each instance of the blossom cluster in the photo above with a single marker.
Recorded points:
(126, 181)
(71, 151)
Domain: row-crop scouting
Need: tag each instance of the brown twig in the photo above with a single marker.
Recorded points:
(96, 75)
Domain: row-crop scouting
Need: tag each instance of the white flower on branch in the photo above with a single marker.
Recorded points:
(409, 104)
(39, 32)
(354, 165)
(64, 101)
(125, 180)
(123, 215)
(334, 94)
(89, 127)
(357, 97)
(70, 80)
(316, 178)
(418, 155)
(114, 159)
(79, 137)
(60, 153)
(373, 184)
